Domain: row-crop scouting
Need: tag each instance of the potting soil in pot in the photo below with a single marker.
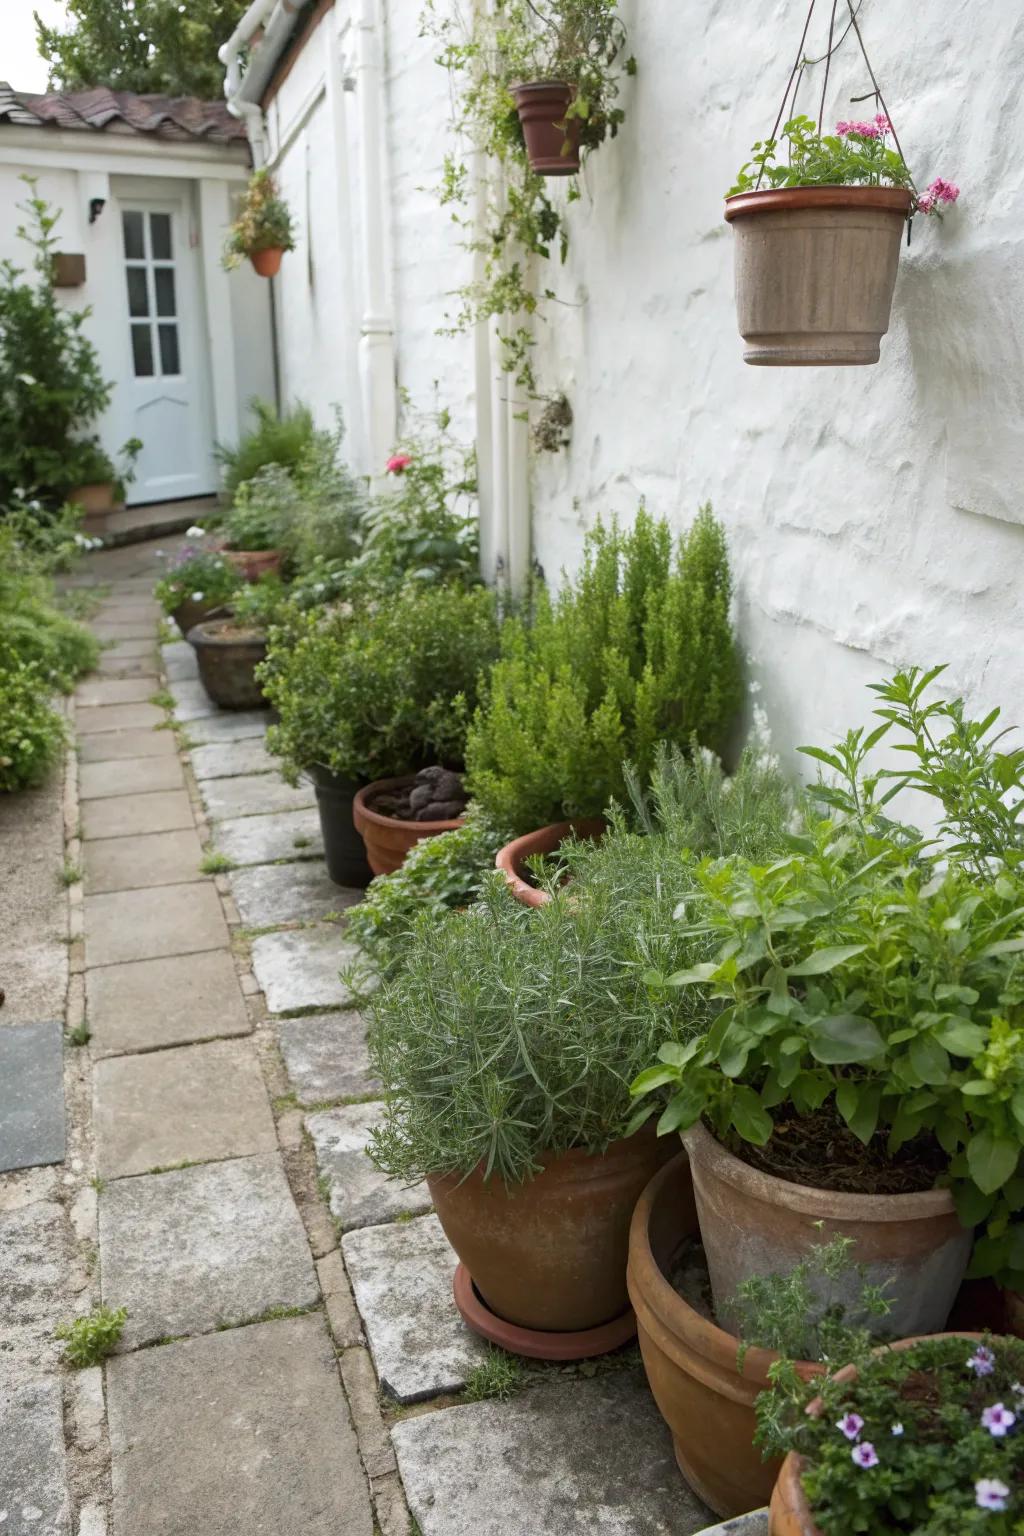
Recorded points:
(436, 794)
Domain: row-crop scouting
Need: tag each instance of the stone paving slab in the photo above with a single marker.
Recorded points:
(179, 661)
(254, 794)
(117, 746)
(123, 629)
(223, 760)
(265, 839)
(109, 665)
(125, 650)
(31, 1095)
(162, 810)
(117, 717)
(112, 690)
(325, 1056)
(148, 1004)
(402, 1279)
(132, 776)
(228, 725)
(199, 1248)
(34, 1498)
(32, 1269)
(195, 1103)
(272, 894)
(123, 608)
(243, 1431)
(360, 1195)
(135, 863)
(754, 1524)
(191, 700)
(145, 925)
(584, 1455)
(299, 968)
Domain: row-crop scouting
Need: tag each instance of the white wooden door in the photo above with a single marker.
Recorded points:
(164, 388)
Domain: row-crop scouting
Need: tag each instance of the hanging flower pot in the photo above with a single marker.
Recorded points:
(268, 262)
(815, 271)
(263, 230)
(552, 139)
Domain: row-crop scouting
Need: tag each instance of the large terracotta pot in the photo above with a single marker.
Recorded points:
(267, 263)
(511, 859)
(552, 142)
(550, 1254)
(344, 849)
(388, 838)
(790, 1514)
(94, 500)
(755, 1224)
(253, 564)
(815, 271)
(692, 1365)
(228, 658)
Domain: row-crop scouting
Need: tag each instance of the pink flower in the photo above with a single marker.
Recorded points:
(862, 130)
(982, 1362)
(990, 1493)
(864, 1455)
(850, 1425)
(883, 124)
(998, 1420)
(926, 204)
(943, 191)
(398, 463)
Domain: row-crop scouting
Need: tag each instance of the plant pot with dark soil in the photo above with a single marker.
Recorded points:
(228, 652)
(393, 815)
(512, 859)
(552, 140)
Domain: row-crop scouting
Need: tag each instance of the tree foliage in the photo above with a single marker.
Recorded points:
(149, 46)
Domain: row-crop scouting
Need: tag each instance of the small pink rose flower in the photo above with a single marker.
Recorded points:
(982, 1362)
(990, 1493)
(864, 1455)
(925, 204)
(998, 1420)
(850, 1425)
(398, 463)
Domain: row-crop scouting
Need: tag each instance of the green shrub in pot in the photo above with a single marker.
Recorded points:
(274, 438)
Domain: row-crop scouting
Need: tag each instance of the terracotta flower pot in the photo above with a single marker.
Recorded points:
(755, 1224)
(253, 564)
(389, 838)
(550, 1254)
(267, 263)
(691, 1365)
(95, 500)
(228, 657)
(815, 272)
(552, 141)
(344, 850)
(511, 859)
(189, 613)
(790, 1514)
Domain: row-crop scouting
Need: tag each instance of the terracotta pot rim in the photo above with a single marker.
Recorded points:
(363, 811)
(830, 1204)
(537, 1343)
(622, 1147)
(775, 199)
(539, 87)
(544, 840)
(92, 485)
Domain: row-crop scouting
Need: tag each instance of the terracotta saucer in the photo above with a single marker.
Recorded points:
(535, 1343)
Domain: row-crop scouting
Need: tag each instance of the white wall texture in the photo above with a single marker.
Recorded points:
(874, 514)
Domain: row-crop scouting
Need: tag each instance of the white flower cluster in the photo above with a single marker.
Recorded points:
(84, 542)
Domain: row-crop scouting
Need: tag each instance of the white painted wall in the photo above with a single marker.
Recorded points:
(874, 514)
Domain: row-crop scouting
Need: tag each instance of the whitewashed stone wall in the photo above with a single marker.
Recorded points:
(874, 514)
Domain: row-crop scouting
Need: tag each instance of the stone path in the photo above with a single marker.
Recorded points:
(292, 1362)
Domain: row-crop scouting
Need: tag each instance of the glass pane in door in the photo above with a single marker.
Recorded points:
(164, 279)
(142, 351)
(160, 236)
(134, 238)
(169, 359)
(138, 293)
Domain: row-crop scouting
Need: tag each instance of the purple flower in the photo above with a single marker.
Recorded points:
(990, 1493)
(850, 1425)
(998, 1420)
(864, 1455)
(982, 1362)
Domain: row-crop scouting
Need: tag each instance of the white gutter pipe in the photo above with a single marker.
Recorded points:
(377, 341)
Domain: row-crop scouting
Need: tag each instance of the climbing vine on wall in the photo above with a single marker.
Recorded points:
(488, 52)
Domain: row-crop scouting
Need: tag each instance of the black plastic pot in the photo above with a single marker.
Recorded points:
(344, 849)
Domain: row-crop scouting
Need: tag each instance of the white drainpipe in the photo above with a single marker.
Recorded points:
(377, 342)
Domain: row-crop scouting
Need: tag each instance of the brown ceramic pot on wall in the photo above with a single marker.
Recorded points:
(790, 1514)
(552, 141)
(511, 859)
(753, 1223)
(267, 263)
(389, 838)
(815, 272)
(550, 1254)
(253, 564)
(691, 1364)
(228, 656)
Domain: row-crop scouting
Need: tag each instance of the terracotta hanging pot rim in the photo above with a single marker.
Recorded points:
(832, 1205)
(546, 86)
(362, 809)
(775, 199)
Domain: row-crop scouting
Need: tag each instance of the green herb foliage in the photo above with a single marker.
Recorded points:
(636, 649)
(200, 573)
(275, 439)
(822, 160)
(92, 1338)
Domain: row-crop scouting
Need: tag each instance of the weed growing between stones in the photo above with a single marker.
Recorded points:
(499, 1375)
(215, 863)
(162, 700)
(80, 1035)
(90, 1339)
(71, 873)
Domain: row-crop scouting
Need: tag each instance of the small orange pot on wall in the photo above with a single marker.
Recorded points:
(267, 263)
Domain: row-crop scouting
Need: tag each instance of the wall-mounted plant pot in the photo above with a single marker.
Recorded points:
(68, 269)
(511, 859)
(267, 263)
(552, 140)
(389, 838)
(790, 1514)
(753, 1223)
(228, 654)
(815, 272)
(692, 1365)
(189, 613)
(550, 1255)
(253, 564)
(344, 850)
